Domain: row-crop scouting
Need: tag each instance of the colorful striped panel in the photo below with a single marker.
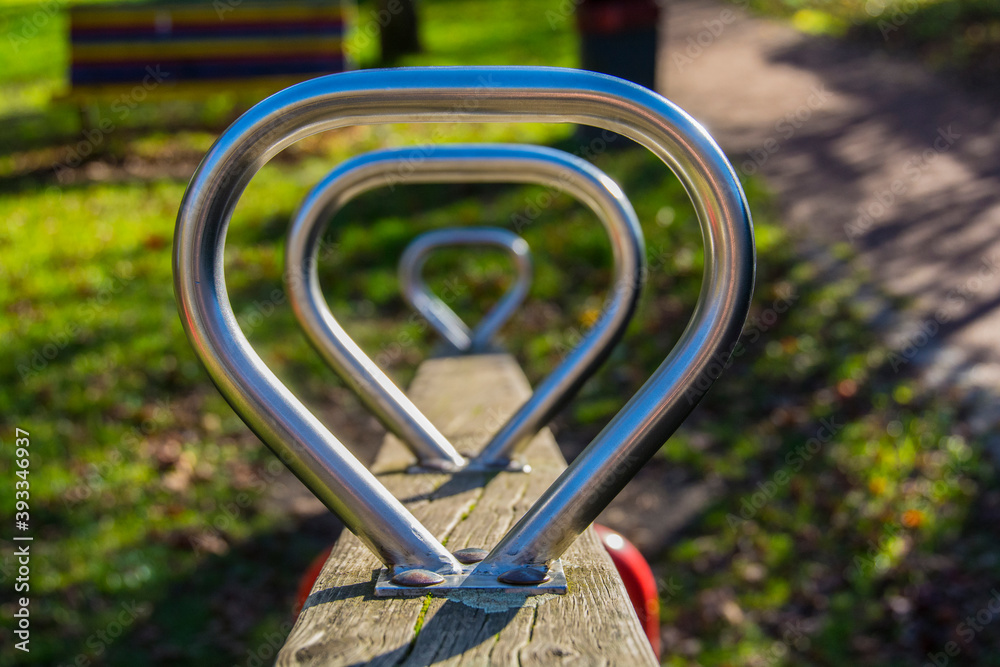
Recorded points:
(127, 33)
(155, 52)
(220, 40)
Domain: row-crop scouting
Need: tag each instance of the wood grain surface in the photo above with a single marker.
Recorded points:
(342, 623)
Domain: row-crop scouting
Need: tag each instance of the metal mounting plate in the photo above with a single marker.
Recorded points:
(467, 581)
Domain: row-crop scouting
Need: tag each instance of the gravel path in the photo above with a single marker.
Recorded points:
(867, 149)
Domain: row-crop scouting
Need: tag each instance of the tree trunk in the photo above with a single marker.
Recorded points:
(399, 28)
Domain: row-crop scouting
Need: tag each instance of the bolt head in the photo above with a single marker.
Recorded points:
(417, 578)
(469, 556)
(525, 576)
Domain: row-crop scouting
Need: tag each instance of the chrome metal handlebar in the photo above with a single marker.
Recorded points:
(460, 163)
(438, 313)
(482, 94)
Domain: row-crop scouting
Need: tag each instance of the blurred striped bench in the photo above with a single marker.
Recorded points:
(213, 46)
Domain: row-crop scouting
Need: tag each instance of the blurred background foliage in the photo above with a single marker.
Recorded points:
(150, 497)
(958, 35)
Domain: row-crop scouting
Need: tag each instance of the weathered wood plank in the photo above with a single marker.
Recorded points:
(344, 624)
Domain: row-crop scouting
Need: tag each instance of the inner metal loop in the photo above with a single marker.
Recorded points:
(462, 163)
(438, 313)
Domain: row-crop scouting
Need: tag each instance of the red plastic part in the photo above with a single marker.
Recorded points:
(632, 568)
(308, 579)
(616, 16)
(639, 582)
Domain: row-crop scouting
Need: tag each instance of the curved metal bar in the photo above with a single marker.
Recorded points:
(438, 313)
(489, 94)
(465, 163)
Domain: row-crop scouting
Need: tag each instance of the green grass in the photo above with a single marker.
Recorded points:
(148, 492)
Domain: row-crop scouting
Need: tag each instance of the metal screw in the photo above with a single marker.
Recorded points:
(417, 578)
(525, 576)
(469, 556)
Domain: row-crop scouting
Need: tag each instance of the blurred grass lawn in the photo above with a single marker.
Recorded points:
(872, 548)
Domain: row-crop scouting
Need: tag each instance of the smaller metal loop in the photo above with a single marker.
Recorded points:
(464, 163)
(438, 313)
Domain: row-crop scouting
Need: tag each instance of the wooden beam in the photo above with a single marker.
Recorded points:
(342, 623)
